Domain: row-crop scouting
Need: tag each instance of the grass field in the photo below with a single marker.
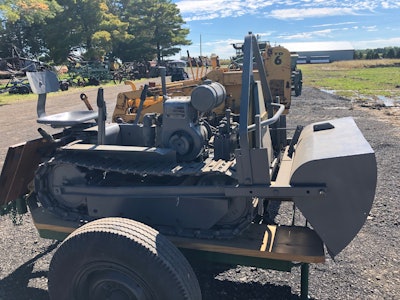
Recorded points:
(10, 98)
(358, 79)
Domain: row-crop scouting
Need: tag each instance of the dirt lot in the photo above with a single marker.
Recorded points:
(367, 269)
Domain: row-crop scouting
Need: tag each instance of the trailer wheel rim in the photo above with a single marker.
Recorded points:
(106, 280)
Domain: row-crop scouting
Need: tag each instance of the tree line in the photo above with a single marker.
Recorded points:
(386, 52)
(126, 29)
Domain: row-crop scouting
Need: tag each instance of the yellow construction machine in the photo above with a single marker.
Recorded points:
(277, 60)
(147, 98)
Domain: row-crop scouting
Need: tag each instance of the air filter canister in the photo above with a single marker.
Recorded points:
(208, 96)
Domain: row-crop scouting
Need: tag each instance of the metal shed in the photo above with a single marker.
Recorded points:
(321, 52)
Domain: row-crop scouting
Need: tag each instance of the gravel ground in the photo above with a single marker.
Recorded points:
(367, 269)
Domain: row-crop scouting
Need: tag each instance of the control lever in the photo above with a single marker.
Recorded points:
(101, 121)
(85, 99)
(143, 96)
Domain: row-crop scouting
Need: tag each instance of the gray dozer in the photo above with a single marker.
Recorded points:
(186, 173)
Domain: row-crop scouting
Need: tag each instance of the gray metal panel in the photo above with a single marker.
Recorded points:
(342, 159)
(155, 156)
(112, 134)
(344, 139)
(43, 82)
(177, 211)
(68, 118)
(265, 141)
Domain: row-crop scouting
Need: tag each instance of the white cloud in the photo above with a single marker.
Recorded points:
(378, 43)
(223, 48)
(263, 35)
(307, 35)
(300, 14)
(210, 16)
(289, 9)
(212, 9)
(370, 28)
(333, 24)
(390, 4)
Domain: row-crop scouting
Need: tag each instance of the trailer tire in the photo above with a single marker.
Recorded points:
(117, 258)
(297, 89)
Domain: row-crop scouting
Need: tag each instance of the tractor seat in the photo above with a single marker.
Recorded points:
(69, 118)
(44, 82)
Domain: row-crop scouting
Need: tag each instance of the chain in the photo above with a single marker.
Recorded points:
(11, 210)
(108, 165)
(15, 216)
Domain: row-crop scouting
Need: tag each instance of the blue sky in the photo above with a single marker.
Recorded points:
(219, 23)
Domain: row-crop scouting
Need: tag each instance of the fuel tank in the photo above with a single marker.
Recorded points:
(336, 155)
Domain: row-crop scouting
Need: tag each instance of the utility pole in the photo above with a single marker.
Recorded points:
(200, 46)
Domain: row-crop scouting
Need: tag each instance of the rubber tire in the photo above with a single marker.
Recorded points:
(64, 86)
(120, 255)
(23, 89)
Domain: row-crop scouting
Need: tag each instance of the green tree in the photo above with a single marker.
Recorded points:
(74, 26)
(390, 53)
(358, 54)
(129, 29)
(23, 23)
(157, 27)
(89, 24)
(370, 54)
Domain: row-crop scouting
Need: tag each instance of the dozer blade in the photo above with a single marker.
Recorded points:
(335, 154)
(19, 168)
